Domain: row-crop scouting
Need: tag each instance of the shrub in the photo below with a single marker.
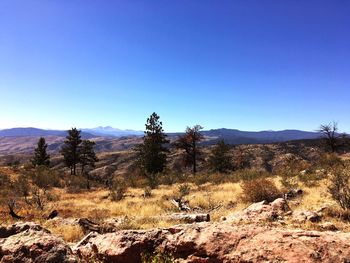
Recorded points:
(250, 174)
(311, 177)
(339, 187)
(45, 178)
(337, 212)
(329, 161)
(259, 190)
(147, 193)
(117, 190)
(184, 189)
(157, 257)
(76, 184)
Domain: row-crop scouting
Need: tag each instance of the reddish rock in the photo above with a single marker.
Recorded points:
(220, 242)
(262, 211)
(29, 242)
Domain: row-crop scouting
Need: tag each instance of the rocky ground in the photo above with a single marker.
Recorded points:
(256, 234)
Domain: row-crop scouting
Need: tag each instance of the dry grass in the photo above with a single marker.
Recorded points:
(144, 213)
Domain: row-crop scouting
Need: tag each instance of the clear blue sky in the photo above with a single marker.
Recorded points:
(246, 64)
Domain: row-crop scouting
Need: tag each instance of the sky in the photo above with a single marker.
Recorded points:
(244, 64)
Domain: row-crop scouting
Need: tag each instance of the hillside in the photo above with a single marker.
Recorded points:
(23, 140)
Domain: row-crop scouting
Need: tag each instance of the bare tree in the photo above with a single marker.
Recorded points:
(330, 133)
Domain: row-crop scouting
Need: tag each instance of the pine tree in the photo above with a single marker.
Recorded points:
(71, 149)
(40, 155)
(189, 143)
(88, 156)
(152, 154)
(220, 159)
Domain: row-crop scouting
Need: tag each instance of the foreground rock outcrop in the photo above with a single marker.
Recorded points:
(29, 242)
(220, 242)
(248, 236)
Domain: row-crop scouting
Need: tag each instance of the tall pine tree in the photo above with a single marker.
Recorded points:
(71, 150)
(40, 155)
(152, 154)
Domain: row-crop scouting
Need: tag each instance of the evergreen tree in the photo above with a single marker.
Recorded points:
(189, 143)
(152, 154)
(88, 158)
(40, 155)
(71, 150)
(220, 158)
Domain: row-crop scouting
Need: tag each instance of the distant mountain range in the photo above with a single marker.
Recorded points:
(86, 133)
(110, 131)
(231, 136)
(108, 139)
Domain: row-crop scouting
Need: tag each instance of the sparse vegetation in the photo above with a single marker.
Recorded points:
(339, 187)
(258, 190)
(220, 159)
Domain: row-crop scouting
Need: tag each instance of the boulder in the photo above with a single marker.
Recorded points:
(219, 242)
(261, 211)
(303, 216)
(29, 242)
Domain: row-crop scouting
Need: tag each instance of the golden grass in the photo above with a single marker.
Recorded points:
(144, 213)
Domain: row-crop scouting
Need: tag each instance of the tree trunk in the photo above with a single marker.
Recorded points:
(194, 158)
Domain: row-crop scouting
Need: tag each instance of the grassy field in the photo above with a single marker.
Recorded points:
(140, 212)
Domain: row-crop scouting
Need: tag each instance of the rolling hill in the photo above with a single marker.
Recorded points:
(108, 139)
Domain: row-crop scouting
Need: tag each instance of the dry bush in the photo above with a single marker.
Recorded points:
(339, 187)
(76, 184)
(199, 178)
(45, 178)
(117, 190)
(69, 233)
(147, 193)
(311, 178)
(338, 213)
(328, 161)
(183, 190)
(259, 190)
(250, 174)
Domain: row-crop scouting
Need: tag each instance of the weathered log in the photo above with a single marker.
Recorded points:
(190, 218)
(89, 226)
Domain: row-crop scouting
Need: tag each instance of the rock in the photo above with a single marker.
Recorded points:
(19, 227)
(262, 211)
(29, 242)
(219, 242)
(303, 216)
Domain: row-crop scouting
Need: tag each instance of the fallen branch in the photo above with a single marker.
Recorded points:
(11, 205)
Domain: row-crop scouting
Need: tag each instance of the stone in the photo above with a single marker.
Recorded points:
(219, 242)
(29, 242)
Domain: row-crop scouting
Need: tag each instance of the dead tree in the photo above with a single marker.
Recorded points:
(329, 132)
